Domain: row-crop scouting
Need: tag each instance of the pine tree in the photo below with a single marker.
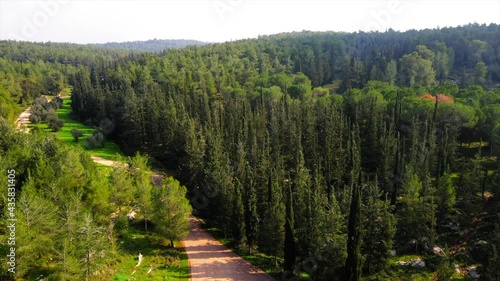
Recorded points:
(171, 210)
(92, 246)
(271, 231)
(122, 188)
(68, 252)
(219, 186)
(416, 218)
(445, 196)
(143, 184)
(328, 237)
(239, 228)
(289, 243)
(250, 193)
(379, 228)
(35, 225)
(302, 205)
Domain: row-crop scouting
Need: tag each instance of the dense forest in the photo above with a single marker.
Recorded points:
(327, 150)
(64, 217)
(154, 45)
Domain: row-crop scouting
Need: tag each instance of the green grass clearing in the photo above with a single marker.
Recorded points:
(167, 263)
(110, 149)
(400, 272)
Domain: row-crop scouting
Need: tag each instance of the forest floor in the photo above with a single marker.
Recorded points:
(159, 262)
(210, 260)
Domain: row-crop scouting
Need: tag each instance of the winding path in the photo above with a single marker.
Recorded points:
(105, 162)
(23, 120)
(210, 260)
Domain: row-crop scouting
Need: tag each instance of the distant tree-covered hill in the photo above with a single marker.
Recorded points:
(327, 150)
(154, 45)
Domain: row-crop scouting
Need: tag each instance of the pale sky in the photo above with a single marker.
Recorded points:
(223, 20)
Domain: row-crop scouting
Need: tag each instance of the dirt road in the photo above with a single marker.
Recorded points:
(210, 260)
(23, 120)
(105, 162)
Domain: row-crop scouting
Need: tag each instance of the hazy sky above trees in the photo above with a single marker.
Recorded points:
(223, 20)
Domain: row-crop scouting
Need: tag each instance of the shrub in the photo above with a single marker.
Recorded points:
(49, 115)
(96, 140)
(444, 271)
(121, 224)
(55, 124)
(35, 119)
(77, 134)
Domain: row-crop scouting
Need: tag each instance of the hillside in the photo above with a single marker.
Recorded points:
(342, 156)
(154, 45)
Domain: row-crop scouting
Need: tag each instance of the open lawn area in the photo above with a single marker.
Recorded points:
(110, 149)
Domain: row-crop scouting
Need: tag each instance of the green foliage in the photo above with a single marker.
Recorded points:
(50, 207)
(6, 136)
(96, 140)
(416, 68)
(35, 225)
(122, 187)
(155, 45)
(165, 262)
(77, 134)
(93, 246)
(355, 258)
(63, 227)
(141, 175)
(270, 134)
(390, 72)
(445, 197)
(8, 108)
(441, 265)
(416, 216)
(171, 210)
(110, 150)
(480, 71)
(379, 229)
(55, 124)
(289, 242)
(492, 266)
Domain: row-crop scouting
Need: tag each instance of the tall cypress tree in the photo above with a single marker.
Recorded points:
(354, 261)
(289, 250)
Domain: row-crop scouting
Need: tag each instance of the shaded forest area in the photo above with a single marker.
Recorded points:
(325, 149)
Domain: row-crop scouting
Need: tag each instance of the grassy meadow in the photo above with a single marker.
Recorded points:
(110, 149)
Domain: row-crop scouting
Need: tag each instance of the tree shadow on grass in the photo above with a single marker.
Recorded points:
(166, 261)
